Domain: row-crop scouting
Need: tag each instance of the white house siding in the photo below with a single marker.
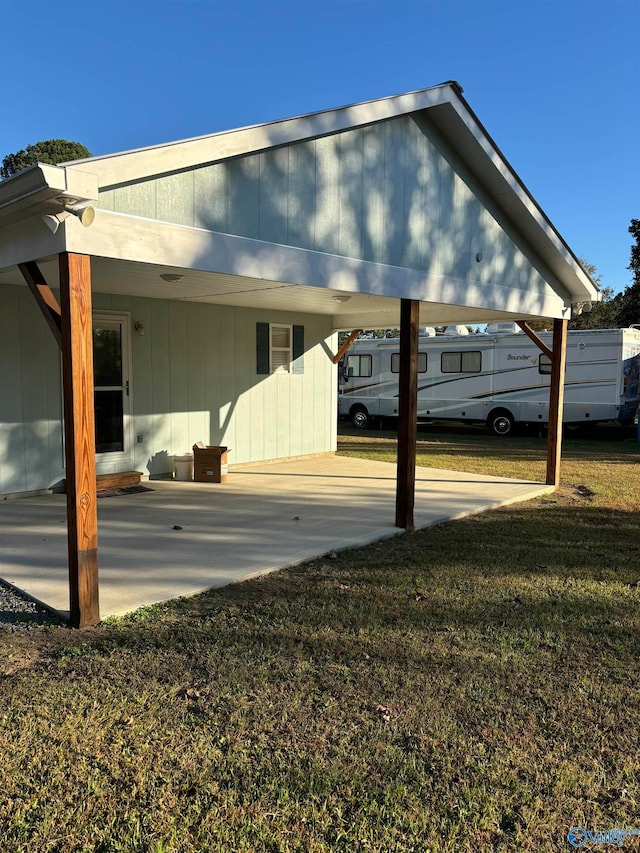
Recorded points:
(390, 193)
(30, 398)
(193, 379)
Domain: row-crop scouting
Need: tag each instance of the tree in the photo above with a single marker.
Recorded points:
(51, 151)
(628, 302)
(602, 314)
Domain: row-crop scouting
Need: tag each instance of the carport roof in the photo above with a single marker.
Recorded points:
(286, 277)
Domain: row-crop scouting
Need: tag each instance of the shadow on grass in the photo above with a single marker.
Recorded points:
(516, 570)
(479, 447)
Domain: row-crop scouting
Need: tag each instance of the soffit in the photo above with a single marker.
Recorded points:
(360, 310)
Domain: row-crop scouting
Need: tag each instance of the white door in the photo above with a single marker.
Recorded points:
(111, 369)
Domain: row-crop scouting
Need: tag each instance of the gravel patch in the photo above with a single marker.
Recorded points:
(18, 610)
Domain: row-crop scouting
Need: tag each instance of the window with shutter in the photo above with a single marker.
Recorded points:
(279, 348)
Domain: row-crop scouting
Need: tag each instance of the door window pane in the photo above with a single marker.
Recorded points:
(107, 357)
(109, 421)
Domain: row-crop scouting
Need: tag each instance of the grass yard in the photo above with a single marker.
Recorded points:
(470, 687)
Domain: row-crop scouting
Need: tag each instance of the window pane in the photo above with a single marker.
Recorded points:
(359, 365)
(109, 421)
(279, 361)
(544, 364)
(280, 336)
(450, 362)
(395, 362)
(107, 357)
(365, 365)
(471, 362)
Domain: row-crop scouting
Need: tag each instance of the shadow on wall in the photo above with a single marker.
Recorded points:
(26, 462)
(160, 466)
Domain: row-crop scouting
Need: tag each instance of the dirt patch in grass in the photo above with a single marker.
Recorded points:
(574, 493)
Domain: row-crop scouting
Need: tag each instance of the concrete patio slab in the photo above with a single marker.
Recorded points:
(181, 538)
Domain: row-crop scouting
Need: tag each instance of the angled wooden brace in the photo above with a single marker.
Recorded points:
(45, 300)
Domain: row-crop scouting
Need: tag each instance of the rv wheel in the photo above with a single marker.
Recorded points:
(360, 418)
(500, 422)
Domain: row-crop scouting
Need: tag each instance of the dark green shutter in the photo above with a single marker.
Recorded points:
(262, 348)
(298, 350)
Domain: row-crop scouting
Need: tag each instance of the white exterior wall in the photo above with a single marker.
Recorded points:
(193, 379)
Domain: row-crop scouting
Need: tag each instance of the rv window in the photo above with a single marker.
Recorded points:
(461, 362)
(544, 364)
(395, 362)
(471, 362)
(359, 365)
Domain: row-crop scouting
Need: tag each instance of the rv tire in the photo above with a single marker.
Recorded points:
(360, 418)
(501, 422)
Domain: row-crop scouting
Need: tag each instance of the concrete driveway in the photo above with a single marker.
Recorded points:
(265, 517)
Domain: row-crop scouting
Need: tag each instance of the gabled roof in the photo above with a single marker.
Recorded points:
(443, 107)
(151, 161)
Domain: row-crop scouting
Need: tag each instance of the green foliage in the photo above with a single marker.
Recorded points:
(51, 151)
(628, 302)
(603, 315)
(634, 266)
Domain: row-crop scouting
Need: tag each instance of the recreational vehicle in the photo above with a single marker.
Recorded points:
(498, 377)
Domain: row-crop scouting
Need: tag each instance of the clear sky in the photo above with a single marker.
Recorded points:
(556, 84)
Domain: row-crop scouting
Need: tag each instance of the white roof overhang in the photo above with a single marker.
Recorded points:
(129, 255)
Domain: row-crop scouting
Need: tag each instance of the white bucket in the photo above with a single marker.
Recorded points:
(183, 467)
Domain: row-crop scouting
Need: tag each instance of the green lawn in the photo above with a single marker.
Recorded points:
(470, 687)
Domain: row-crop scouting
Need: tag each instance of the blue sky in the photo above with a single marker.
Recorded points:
(556, 84)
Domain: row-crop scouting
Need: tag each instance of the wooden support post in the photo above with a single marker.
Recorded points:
(408, 413)
(80, 443)
(556, 402)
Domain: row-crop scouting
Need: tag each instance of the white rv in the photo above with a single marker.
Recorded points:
(498, 377)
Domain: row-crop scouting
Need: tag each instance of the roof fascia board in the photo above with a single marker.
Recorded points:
(30, 185)
(117, 236)
(115, 169)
